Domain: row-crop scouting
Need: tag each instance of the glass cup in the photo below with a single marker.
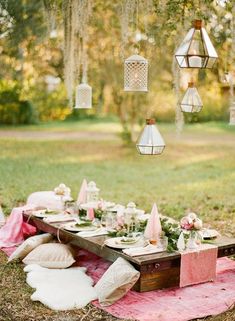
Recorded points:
(163, 242)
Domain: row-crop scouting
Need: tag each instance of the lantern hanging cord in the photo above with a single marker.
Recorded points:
(84, 59)
(137, 25)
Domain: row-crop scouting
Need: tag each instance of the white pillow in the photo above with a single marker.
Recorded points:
(28, 245)
(51, 255)
(116, 282)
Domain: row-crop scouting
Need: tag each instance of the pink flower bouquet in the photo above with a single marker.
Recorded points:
(191, 222)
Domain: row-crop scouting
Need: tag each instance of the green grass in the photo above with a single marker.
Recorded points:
(196, 171)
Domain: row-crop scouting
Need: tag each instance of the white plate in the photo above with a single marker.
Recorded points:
(114, 243)
(42, 214)
(143, 217)
(209, 233)
(94, 205)
(73, 228)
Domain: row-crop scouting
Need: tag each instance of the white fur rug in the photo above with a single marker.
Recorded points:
(60, 289)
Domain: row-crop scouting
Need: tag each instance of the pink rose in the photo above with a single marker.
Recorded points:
(186, 223)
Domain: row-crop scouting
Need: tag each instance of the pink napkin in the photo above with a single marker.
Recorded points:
(82, 193)
(15, 229)
(153, 228)
(198, 266)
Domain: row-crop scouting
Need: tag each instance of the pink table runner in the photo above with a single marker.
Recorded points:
(198, 266)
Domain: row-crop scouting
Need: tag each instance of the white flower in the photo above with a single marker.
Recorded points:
(192, 216)
(198, 224)
(62, 189)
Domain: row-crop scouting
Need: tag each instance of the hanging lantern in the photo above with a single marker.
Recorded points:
(232, 114)
(196, 50)
(83, 96)
(136, 73)
(150, 141)
(191, 102)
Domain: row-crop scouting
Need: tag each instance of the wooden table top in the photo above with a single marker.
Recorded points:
(96, 245)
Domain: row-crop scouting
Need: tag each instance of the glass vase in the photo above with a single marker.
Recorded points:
(192, 243)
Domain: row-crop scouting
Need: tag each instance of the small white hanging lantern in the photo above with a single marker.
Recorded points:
(150, 141)
(232, 114)
(191, 102)
(196, 50)
(92, 192)
(83, 96)
(136, 74)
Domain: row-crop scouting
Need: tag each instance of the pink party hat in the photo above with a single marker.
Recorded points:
(82, 193)
(91, 214)
(153, 228)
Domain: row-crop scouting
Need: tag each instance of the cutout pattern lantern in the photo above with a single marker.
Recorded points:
(136, 74)
(191, 102)
(83, 96)
(232, 114)
(92, 192)
(150, 141)
(196, 50)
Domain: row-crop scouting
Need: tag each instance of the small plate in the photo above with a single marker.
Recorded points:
(94, 205)
(208, 234)
(42, 213)
(115, 243)
(73, 228)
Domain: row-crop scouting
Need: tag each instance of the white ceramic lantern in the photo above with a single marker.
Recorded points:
(83, 96)
(150, 141)
(196, 50)
(136, 74)
(232, 114)
(130, 217)
(92, 192)
(191, 102)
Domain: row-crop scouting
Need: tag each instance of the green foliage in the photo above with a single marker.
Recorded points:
(51, 105)
(27, 55)
(172, 231)
(13, 110)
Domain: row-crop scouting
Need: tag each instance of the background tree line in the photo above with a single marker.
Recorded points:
(31, 74)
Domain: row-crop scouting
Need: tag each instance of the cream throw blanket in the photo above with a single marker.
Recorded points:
(58, 289)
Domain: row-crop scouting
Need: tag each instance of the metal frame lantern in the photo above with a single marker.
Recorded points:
(150, 141)
(136, 74)
(196, 50)
(83, 98)
(191, 102)
(92, 192)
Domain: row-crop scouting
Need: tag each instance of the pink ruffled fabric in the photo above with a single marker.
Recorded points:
(15, 230)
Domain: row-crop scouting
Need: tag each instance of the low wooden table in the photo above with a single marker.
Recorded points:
(157, 271)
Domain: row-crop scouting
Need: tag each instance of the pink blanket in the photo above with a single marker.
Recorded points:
(198, 266)
(178, 304)
(15, 230)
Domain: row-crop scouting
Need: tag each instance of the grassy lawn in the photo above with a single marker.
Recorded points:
(196, 172)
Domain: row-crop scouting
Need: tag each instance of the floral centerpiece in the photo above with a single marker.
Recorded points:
(192, 224)
(62, 190)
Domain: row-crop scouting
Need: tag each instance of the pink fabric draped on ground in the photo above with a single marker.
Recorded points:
(15, 230)
(178, 304)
